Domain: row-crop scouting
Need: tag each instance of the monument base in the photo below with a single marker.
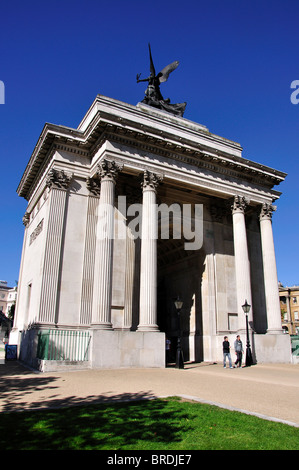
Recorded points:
(117, 349)
(107, 349)
(265, 348)
(272, 348)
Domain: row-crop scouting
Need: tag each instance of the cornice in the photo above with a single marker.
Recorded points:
(223, 164)
(149, 130)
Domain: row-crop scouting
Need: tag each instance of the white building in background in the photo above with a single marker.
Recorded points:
(8, 297)
(289, 304)
(82, 184)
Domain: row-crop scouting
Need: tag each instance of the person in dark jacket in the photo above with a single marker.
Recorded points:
(226, 353)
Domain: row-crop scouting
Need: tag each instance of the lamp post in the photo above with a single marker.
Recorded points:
(248, 360)
(179, 363)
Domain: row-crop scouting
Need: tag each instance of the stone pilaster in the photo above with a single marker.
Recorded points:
(148, 266)
(101, 312)
(242, 265)
(270, 271)
(58, 183)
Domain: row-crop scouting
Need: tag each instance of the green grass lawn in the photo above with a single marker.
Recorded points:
(160, 424)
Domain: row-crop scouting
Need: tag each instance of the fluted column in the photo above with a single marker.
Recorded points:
(148, 266)
(289, 308)
(242, 265)
(270, 271)
(129, 283)
(58, 182)
(94, 188)
(101, 312)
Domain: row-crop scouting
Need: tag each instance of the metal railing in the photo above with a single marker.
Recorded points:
(295, 345)
(63, 345)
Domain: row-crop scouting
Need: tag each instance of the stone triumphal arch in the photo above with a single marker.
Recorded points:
(125, 213)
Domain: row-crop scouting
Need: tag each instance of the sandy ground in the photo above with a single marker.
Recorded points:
(269, 390)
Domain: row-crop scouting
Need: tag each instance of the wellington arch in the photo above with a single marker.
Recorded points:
(98, 275)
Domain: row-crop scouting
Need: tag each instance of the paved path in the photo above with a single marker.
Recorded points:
(270, 390)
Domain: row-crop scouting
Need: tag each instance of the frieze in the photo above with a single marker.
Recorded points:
(106, 125)
(71, 149)
(226, 165)
(224, 168)
(36, 232)
(205, 182)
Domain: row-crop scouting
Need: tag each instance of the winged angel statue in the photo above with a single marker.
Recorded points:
(153, 95)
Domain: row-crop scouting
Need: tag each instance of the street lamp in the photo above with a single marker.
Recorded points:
(179, 363)
(248, 360)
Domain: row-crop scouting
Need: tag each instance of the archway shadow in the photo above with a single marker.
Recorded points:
(95, 421)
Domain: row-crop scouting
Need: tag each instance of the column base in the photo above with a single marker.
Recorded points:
(101, 326)
(278, 331)
(147, 328)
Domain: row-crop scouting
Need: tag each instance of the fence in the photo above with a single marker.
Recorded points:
(63, 345)
(295, 345)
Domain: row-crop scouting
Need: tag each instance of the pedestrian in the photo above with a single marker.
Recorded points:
(239, 351)
(226, 353)
(168, 346)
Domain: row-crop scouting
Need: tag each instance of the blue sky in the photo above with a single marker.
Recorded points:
(237, 62)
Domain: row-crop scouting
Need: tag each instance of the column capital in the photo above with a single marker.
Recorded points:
(239, 204)
(94, 185)
(267, 211)
(151, 180)
(109, 170)
(26, 219)
(58, 179)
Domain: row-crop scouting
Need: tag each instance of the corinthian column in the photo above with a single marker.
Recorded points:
(94, 187)
(242, 265)
(148, 266)
(101, 312)
(270, 271)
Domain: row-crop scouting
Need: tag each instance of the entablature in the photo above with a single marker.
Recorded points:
(154, 132)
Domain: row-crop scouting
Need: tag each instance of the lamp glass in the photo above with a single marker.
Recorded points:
(246, 307)
(178, 303)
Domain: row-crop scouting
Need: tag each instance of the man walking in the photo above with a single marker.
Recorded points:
(239, 351)
(226, 353)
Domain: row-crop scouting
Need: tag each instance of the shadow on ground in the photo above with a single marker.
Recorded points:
(100, 421)
(18, 385)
